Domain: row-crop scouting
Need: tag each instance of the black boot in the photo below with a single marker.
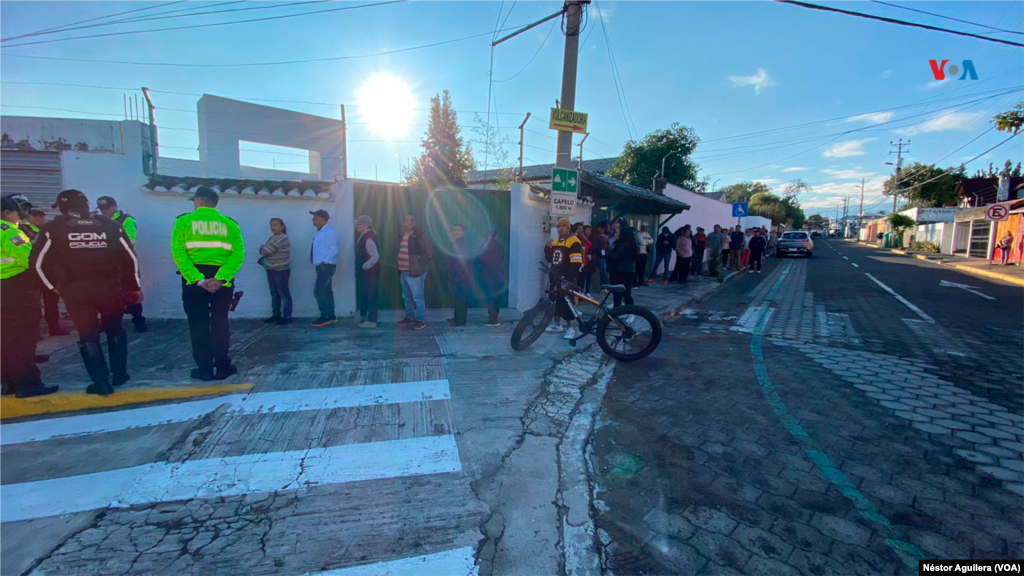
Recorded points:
(117, 346)
(37, 389)
(96, 366)
(140, 324)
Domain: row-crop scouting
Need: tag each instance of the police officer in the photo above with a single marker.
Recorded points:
(19, 309)
(31, 225)
(87, 258)
(108, 207)
(207, 249)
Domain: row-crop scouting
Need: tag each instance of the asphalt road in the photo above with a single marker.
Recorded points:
(843, 414)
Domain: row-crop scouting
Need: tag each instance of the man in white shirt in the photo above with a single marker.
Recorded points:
(643, 240)
(323, 254)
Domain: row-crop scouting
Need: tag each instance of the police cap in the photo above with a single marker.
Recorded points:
(206, 193)
(71, 197)
(8, 203)
(104, 202)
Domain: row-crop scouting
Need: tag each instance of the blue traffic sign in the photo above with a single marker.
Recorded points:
(740, 210)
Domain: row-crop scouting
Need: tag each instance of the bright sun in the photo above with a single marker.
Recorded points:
(387, 105)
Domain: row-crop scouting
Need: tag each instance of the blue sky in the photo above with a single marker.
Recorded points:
(728, 69)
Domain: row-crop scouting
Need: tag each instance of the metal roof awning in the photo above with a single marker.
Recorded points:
(607, 191)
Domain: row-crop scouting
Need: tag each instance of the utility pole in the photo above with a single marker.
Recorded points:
(579, 166)
(522, 138)
(573, 15)
(572, 12)
(899, 165)
(860, 219)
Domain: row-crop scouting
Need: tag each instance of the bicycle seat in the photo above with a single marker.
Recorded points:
(617, 288)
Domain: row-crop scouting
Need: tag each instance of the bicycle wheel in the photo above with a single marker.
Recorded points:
(629, 341)
(532, 325)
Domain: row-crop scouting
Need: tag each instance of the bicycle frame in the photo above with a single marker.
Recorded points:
(564, 289)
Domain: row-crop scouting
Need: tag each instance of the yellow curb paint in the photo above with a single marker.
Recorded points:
(988, 274)
(894, 251)
(11, 407)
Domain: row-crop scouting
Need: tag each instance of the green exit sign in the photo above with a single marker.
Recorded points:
(565, 180)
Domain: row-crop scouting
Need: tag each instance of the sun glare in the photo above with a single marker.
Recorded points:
(386, 103)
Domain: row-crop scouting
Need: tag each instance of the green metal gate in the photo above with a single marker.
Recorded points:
(436, 212)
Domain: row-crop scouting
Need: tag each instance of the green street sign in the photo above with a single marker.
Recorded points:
(565, 180)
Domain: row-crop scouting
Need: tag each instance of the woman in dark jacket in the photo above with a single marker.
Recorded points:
(623, 261)
(459, 262)
(492, 275)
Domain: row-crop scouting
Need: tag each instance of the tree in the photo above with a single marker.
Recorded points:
(794, 213)
(445, 160)
(926, 186)
(1011, 120)
(641, 161)
(744, 191)
(492, 144)
(900, 223)
(817, 222)
(768, 205)
(780, 210)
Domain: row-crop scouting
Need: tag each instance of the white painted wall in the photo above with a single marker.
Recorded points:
(223, 123)
(527, 219)
(32, 133)
(938, 232)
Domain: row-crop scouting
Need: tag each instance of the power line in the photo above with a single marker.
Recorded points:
(253, 64)
(210, 25)
(895, 21)
(167, 16)
(947, 17)
(99, 18)
(539, 48)
(615, 79)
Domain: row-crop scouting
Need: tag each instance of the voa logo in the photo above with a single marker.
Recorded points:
(87, 239)
(939, 70)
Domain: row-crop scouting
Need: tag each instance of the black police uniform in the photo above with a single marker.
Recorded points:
(88, 258)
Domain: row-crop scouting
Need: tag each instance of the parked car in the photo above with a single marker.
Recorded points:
(797, 242)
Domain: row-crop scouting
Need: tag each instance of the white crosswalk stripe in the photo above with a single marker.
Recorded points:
(366, 443)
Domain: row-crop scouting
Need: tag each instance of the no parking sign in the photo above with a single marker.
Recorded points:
(997, 212)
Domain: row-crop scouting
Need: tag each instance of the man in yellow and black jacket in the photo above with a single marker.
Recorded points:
(208, 251)
(566, 256)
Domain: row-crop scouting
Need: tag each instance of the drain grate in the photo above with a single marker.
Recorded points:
(698, 314)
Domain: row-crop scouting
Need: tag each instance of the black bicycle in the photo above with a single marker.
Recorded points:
(626, 333)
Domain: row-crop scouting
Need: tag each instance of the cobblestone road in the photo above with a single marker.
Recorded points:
(806, 421)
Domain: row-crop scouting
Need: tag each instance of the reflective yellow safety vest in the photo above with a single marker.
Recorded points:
(207, 237)
(15, 248)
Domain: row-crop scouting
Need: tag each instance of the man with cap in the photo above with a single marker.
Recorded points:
(108, 207)
(31, 225)
(368, 260)
(207, 249)
(19, 308)
(323, 254)
(87, 258)
(566, 256)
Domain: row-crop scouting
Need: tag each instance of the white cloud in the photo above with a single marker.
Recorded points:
(934, 84)
(824, 197)
(759, 81)
(795, 169)
(607, 11)
(943, 122)
(873, 117)
(847, 149)
(887, 74)
(768, 181)
(850, 174)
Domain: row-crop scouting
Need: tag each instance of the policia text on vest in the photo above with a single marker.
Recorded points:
(208, 250)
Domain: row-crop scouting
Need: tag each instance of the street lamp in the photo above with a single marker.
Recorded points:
(654, 182)
(715, 183)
